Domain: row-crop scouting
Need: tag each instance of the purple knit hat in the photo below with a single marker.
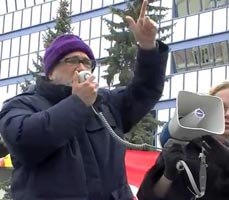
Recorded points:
(62, 46)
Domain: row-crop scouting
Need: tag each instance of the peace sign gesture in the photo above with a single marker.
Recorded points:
(144, 30)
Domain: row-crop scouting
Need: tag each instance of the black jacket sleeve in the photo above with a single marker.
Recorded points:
(145, 191)
(146, 87)
(31, 136)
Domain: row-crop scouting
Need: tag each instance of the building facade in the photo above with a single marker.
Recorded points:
(198, 56)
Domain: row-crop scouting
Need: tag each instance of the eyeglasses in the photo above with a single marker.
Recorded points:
(75, 60)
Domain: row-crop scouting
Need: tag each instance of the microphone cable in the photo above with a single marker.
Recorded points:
(143, 146)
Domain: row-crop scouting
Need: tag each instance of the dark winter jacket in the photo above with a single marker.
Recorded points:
(59, 147)
(217, 178)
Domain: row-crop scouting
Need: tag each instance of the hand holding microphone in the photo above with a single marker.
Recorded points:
(85, 87)
(84, 75)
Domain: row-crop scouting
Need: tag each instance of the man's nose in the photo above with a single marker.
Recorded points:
(80, 67)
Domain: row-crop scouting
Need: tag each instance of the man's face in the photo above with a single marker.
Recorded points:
(224, 95)
(63, 72)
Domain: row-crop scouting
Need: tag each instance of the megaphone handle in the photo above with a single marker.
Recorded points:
(180, 166)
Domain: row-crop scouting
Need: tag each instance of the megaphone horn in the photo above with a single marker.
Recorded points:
(195, 115)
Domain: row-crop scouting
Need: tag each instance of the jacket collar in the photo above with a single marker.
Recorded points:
(52, 92)
(55, 93)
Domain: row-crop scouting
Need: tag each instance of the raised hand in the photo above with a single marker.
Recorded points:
(144, 30)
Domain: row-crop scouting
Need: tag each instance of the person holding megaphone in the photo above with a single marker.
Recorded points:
(166, 181)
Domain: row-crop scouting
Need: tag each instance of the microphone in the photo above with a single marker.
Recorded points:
(83, 75)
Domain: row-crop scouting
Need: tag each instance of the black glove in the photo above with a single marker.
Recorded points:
(216, 151)
(171, 155)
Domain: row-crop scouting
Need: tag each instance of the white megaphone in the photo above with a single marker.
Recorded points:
(195, 115)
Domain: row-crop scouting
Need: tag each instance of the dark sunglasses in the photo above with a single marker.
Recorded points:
(75, 60)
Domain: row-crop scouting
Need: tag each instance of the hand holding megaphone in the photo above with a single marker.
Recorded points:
(172, 154)
(85, 87)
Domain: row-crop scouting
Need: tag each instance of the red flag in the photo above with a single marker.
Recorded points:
(137, 164)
